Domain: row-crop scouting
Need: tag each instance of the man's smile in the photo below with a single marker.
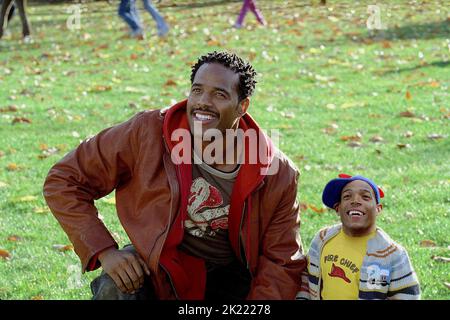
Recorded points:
(204, 116)
(355, 214)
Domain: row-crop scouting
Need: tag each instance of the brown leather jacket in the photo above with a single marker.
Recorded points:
(133, 158)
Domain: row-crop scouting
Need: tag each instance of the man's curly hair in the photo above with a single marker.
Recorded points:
(231, 61)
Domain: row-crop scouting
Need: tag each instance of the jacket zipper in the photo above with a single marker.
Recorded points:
(241, 243)
(168, 229)
(171, 282)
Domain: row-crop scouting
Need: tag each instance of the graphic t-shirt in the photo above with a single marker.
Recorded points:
(206, 227)
(340, 265)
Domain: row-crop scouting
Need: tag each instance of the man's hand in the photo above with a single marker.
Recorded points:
(125, 268)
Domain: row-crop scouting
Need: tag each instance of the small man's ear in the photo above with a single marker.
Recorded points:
(379, 208)
(336, 207)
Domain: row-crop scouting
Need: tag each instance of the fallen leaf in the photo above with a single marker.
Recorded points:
(41, 210)
(62, 247)
(317, 210)
(376, 139)
(21, 120)
(12, 167)
(14, 238)
(408, 134)
(288, 115)
(434, 84)
(354, 144)
(27, 198)
(170, 83)
(134, 56)
(356, 137)
(386, 44)
(427, 243)
(48, 152)
(100, 88)
(5, 254)
(39, 297)
(408, 95)
(11, 108)
(435, 136)
(331, 129)
(403, 145)
(109, 200)
(441, 259)
(407, 114)
(303, 206)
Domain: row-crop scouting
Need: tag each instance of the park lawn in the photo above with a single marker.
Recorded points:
(344, 99)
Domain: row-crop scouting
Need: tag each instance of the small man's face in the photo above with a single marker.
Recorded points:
(213, 101)
(358, 208)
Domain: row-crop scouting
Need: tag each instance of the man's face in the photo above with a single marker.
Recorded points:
(213, 100)
(358, 208)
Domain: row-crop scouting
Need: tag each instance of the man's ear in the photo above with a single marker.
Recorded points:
(243, 106)
(336, 207)
(379, 208)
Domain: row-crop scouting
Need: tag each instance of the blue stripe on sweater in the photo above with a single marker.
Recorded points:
(413, 290)
(372, 295)
(313, 279)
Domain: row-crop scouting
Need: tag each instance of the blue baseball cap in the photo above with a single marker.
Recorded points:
(332, 192)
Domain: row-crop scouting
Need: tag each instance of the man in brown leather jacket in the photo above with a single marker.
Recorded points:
(200, 227)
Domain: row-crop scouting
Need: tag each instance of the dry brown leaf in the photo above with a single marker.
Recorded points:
(14, 238)
(12, 167)
(38, 297)
(356, 137)
(408, 95)
(170, 83)
(403, 145)
(100, 88)
(427, 243)
(21, 120)
(407, 114)
(62, 247)
(434, 84)
(5, 254)
(386, 44)
(303, 206)
(134, 56)
(11, 108)
(317, 210)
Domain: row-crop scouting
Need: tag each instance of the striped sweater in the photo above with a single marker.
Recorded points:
(386, 271)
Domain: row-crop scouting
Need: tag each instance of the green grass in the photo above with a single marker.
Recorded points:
(318, 66)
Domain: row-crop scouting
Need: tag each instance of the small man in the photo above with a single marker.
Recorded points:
(356, 259)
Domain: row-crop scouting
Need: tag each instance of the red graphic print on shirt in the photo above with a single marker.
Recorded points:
(338, 273)
(205, 214)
